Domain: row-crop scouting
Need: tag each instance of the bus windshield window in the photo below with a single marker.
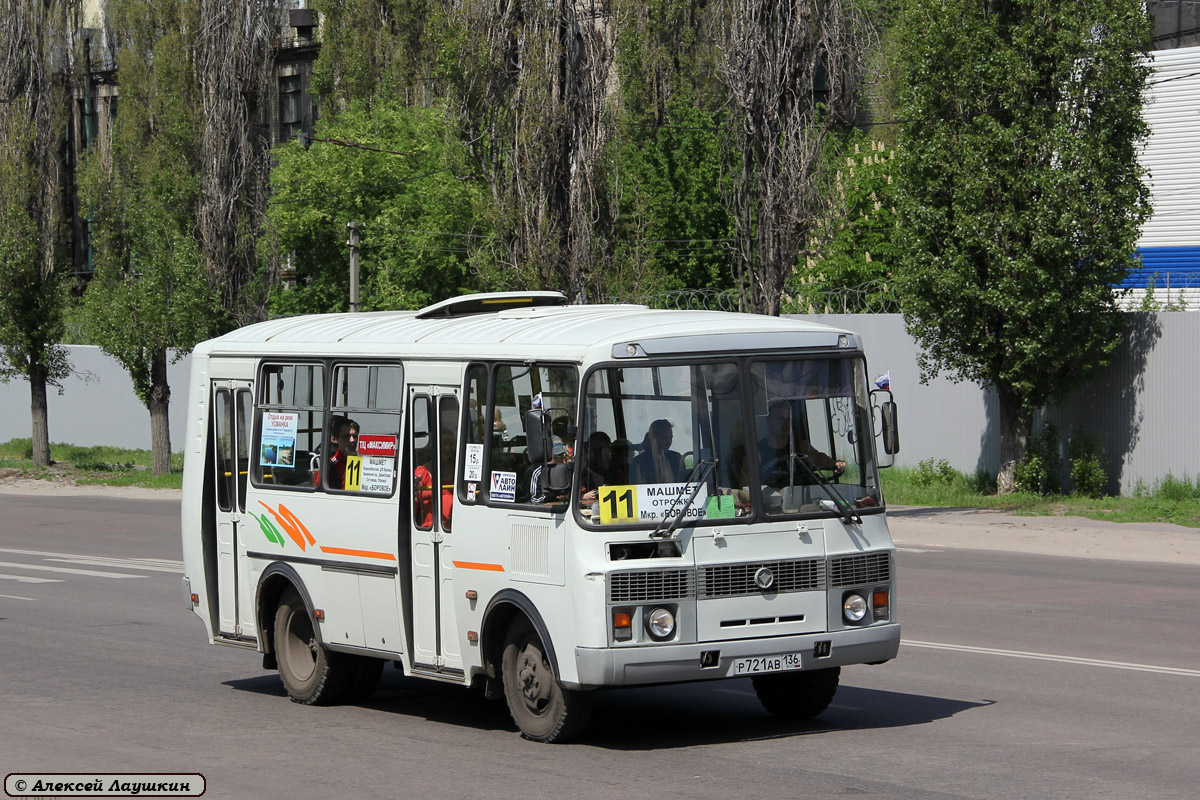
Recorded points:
(652, 434)
(812, 424)
(662, 441)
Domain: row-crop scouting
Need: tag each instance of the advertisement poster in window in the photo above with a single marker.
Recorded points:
(278, 448)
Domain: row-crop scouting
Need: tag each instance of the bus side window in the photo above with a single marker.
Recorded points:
(422, 459)
(362, 454)
(448, 444)
(223, 445)
(287, 426)
(477, 434)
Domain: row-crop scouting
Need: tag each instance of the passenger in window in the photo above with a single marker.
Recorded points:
(774, 452)
(423, 499)
(619, 462)
(562, 428)
(597, 462)
(423, 486)
(343, 441)
(658, 463)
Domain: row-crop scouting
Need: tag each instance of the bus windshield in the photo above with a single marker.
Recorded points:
(686, 440)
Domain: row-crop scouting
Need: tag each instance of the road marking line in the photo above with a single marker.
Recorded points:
(915, 550)
(149, 563)
(27, 579)
(115, 562)
(1089, 662)
(68, 571)
(18, 597)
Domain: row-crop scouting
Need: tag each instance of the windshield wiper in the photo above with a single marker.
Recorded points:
(840, 505)
(672, 521)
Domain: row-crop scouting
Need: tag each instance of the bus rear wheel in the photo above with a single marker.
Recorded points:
(311, 673)
(543, 709)
(797, 695)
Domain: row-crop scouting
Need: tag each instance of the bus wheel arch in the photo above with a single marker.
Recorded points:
(520, 657)
(506, 606)
(276, 580)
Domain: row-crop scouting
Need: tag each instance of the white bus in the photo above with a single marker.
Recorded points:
(541, 499)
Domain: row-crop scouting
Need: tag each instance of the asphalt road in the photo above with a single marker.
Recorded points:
(1022, 675)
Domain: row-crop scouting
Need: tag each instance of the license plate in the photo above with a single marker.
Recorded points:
(757, 665)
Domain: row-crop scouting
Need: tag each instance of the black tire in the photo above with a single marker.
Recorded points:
(312, 674)
(797, 695)
(364, 678)
(543, 710)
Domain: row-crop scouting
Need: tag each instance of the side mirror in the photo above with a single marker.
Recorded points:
(560, 477)
(891, 431)
(539, 447)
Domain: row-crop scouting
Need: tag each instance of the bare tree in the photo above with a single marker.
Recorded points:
(37, 59)
(792, 68)
(534, 100)
(235, 67)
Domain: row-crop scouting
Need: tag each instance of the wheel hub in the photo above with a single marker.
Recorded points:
(531, 674)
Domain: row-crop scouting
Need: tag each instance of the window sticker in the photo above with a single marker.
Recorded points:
(473, 463)
(353, 474)
(504, 487)
(651, 502)
(278, 447)
(376, 445)
(374, 467)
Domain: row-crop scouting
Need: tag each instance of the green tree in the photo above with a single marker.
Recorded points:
(792, 69)
(1021, 196)
(149, 294)
(671, 229)
(853, 272)
(377, 48)
(397, 170)
(36, 64)
(235, 67)
(529, 86)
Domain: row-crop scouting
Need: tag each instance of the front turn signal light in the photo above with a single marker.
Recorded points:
(622, 625)
(879, 601)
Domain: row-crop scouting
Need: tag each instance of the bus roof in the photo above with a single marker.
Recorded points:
(538, 331)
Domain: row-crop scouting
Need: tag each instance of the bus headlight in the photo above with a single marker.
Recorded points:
(854, 607)
(660, 624)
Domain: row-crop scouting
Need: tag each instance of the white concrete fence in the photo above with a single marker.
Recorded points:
(1142, 405)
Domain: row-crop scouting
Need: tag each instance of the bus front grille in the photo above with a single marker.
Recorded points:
(860, 569)
(732, 580)
(643, 585)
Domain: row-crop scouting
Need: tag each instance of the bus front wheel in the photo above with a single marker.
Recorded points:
(311, 673)
(543, 709)
(797, 695)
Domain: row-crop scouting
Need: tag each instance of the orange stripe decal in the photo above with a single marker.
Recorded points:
(285, 522)
(292, 518)
(476, 565)
(343, 551)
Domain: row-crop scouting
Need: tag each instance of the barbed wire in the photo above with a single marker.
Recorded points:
(1144, 292)
(873, 297)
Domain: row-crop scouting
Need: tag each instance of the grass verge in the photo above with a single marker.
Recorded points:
(1174, 500)
(98, 465)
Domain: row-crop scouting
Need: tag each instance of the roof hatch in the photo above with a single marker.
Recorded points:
(490, 303)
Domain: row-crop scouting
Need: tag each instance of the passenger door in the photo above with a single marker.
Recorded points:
(231, 404)
(433, 446)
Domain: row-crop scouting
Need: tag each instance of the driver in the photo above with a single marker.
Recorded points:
(773, 449)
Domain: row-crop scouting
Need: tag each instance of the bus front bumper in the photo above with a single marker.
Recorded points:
(676, 663)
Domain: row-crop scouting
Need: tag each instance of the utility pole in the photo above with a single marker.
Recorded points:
(354, 229)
